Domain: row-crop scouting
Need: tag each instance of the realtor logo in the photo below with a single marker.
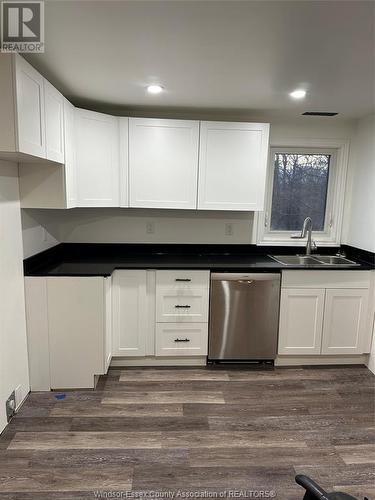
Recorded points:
(22, 26)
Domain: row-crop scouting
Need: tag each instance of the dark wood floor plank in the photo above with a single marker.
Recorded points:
(269, 407)
(357, 454)
(219, 439)
(84, 440)
(161, 397)
(340, 476)
(272, 456)
(218, 478)
(109, 409)
(64, 479)
(172, 375)
(40, 424)
(291, 422)
(106, 456)
(137, 423)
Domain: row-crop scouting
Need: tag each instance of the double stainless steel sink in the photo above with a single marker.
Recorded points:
(313, 260)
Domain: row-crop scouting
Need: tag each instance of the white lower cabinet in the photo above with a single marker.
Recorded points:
(344, 321)
(334, 319)
(107, 322)
(69, 331)
(130, 306)
(301, 320)
(160, 313)
(182, 313)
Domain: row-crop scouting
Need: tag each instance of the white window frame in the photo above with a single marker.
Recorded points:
(331, 235)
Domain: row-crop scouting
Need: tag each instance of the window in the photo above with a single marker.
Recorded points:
(300, 187)
(304, 182)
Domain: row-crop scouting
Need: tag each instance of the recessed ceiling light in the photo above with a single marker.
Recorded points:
(298, 94)
(154, 89)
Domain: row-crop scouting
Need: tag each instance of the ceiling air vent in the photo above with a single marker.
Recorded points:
(319, 113)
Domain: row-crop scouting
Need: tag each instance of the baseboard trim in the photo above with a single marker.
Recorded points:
(152, 361)
(360, 359)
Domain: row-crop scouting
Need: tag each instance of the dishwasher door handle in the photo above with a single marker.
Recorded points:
(245, 276)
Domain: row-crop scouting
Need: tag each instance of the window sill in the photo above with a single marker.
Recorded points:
(294, 243)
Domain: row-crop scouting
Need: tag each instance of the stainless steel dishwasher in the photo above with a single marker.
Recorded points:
(244, 316)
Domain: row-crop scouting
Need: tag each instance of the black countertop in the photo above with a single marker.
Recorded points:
(97, 259)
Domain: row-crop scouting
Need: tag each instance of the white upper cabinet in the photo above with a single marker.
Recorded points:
(97, 159)
(232, 165)
(30, 109)
(54, 123)
(70, 183)
(124, 162)
(49, 184)
(163, 163)
(32, 114)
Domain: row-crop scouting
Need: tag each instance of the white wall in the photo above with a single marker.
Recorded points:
(14, 372)
(171, 226)
(359, 217)
(116, 225)
(35, 237)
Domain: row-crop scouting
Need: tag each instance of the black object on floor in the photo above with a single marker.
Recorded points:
(315, 492)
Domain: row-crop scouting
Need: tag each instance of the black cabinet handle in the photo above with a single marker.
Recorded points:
(182, 279)
(182, 307)
(182, 340)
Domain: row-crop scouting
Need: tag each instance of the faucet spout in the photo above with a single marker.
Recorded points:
(306, 230)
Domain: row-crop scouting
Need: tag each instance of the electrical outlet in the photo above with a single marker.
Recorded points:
(228, 229)
(150, 227)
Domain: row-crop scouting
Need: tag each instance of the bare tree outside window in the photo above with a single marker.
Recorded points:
(300, 187)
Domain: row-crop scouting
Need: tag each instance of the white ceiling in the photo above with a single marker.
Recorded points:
(243, 56)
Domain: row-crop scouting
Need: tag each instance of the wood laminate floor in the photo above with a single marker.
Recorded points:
(195, 433)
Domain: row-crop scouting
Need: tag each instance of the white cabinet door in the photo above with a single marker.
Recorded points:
(54, 123)
(232, 165)
(30, 109)
(345, 318)
(70, 159)
(130, 325)
(97, 159)
(124, 161)
(301, 321)
(163, 163)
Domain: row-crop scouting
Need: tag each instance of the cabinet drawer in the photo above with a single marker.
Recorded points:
(182, 280)
(177, 339)
(182, 306)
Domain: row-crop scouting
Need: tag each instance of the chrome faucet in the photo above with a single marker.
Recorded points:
(306, 229)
